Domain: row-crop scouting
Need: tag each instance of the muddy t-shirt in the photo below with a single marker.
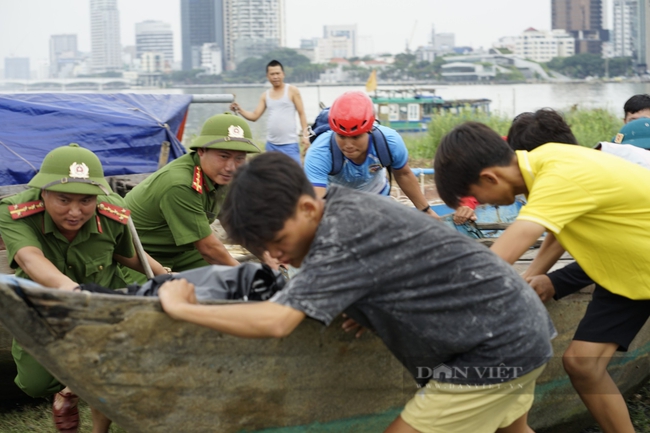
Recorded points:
(446, 306)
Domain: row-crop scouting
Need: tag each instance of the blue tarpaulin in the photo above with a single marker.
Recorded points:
(124, 130)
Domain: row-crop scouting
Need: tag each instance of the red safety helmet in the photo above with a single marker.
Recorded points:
(352, 114)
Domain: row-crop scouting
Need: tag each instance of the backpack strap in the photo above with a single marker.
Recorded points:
(381, 147)
(337, 156)
(383, 153)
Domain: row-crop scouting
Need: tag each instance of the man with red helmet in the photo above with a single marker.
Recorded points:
(352, 119)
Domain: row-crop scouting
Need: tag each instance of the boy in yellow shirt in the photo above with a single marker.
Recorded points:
(591, 210)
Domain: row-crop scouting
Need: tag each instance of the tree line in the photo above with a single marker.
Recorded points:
(405, 67)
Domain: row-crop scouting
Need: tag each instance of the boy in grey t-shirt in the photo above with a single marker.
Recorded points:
(433, 296)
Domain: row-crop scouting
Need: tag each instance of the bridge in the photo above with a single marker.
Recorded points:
(62, 84)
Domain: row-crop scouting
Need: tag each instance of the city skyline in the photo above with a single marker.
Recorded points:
(24, 34)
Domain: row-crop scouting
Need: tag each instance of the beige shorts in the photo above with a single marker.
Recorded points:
(443, 407)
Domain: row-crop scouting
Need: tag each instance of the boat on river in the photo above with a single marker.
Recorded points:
(411, 109)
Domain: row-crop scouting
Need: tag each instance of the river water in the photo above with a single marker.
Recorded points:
(509, 99)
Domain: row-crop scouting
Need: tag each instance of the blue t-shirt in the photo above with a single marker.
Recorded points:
(369, 176)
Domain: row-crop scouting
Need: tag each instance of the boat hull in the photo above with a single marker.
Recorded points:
(149, 373)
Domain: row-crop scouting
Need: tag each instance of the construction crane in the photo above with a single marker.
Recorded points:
(409, 41)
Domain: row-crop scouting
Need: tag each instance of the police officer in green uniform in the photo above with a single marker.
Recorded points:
(60, 235)
(173, 208)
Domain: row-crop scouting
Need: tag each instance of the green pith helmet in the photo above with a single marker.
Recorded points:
(225, 131)
(71, 169)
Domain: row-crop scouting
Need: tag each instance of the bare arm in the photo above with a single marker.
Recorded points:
(251, 115)
(134, 263)
(41, 270)
(409, 184)
(247, 320)
(214, 252)
(320, 191)
(304, 134)
(517, 238)
(548, 254)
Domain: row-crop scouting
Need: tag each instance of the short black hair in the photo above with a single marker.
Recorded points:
(530, 130)
(263, 195)
(463, 153)
(274, 63)
(637, 103)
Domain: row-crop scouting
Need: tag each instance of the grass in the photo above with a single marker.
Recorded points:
(38, 419)
(589, 127)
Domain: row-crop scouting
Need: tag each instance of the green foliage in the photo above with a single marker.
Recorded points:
(589, 127)
(621, 67)
(423, 147)
(592, 126)
(406, 67)
(513, 75)
(590, 65)
(297, 67)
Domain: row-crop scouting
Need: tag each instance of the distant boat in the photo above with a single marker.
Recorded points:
(411, 109)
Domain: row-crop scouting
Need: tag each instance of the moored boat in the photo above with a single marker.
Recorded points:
(411, 109)
(150, 373)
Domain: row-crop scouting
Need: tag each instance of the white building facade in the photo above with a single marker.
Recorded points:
(626, 28)
(211, 59)
(542, 46)
(155, 37)
(105, 36)
(64, 55)
(252, 28)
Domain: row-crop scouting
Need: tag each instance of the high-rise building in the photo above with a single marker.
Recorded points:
(643, 51)
(105, 36)
(252, 28)
(625, 34)
(63, 55)
(17, 68)
(345, 32)
(211, 59)
(542, 46)
(202, 21)
(155, 37)
(583, 19)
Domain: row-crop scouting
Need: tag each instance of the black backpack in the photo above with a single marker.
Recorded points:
(321, 125)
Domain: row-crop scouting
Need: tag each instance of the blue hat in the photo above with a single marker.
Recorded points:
(636, 133)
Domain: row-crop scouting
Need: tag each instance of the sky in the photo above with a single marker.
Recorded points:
(26, 25)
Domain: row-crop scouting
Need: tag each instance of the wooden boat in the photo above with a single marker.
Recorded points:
(411, 109)
(150, 373)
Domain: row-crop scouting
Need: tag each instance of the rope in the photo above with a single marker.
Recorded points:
(19, 156)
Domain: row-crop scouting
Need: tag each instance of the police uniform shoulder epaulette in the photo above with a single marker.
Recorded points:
(26, 209)
(197, 180)
(116, 213)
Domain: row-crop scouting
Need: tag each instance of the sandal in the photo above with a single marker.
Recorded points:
(66, 418)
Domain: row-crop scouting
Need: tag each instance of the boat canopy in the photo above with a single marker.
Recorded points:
(124, 130)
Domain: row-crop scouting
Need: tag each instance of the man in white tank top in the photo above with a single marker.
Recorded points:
(282, 101)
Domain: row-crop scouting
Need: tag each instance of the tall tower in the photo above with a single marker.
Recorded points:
(63, 55)
(626, 28)
(252, 28)
(155, 37)
(202, 21)
(643, 51)
(105, 36)
(584, 20)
